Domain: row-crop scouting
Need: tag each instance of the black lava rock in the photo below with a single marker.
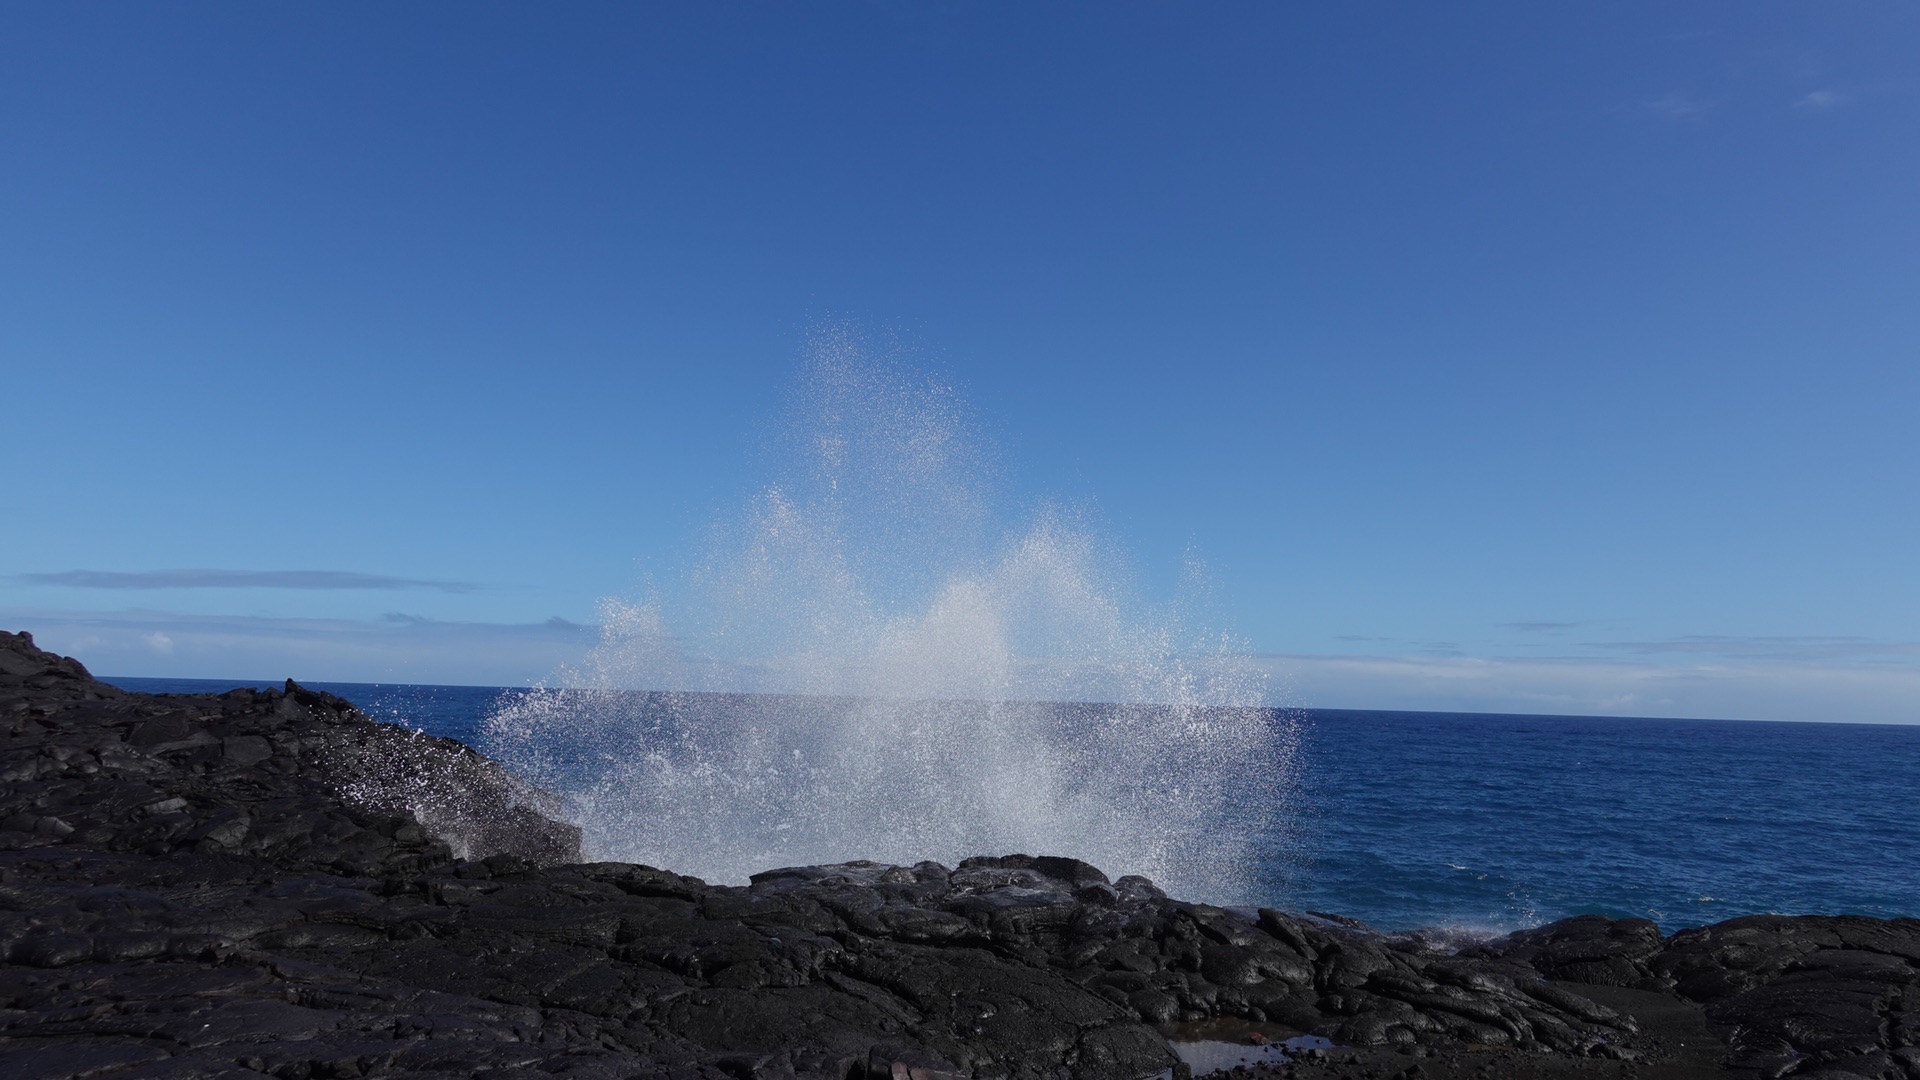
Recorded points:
(270, 882)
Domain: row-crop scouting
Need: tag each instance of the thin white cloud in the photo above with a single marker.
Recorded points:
(1679, 106)
(170, 644)
(1819, 101)
(1693, 681)
(1734, 647)
(237, 579)
(1726, 690)
(1417, 645)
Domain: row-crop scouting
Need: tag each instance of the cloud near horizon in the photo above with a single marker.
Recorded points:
(238, 579)
(1780, 647)
(426, 651)
(1800, 690)
(166, 644)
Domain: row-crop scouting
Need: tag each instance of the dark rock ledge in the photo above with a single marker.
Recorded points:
(271, 883)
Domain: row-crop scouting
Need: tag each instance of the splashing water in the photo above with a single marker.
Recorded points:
(866, 670)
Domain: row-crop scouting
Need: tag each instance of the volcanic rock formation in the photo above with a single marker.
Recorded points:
(270, 882)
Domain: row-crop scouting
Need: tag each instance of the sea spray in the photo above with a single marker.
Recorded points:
(866, 666)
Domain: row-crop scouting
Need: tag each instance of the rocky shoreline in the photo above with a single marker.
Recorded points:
(271, 883)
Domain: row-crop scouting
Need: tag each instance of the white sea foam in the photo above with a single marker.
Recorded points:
(867, 665)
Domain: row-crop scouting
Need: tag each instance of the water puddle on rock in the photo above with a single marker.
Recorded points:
(1215, 1046)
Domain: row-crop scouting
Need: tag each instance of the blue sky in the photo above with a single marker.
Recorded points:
(1496, 356)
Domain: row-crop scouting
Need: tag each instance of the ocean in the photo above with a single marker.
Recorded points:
(1489, 823)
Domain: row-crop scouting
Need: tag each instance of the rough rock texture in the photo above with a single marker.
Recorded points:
(1804, 996)
(272, 883)
(247, 773)
(1833, 997)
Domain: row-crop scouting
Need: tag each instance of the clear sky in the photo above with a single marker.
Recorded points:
(1515, 356)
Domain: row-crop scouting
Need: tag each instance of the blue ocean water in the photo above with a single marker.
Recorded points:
(1494, 822)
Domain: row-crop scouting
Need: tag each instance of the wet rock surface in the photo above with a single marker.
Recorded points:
(271, 883)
